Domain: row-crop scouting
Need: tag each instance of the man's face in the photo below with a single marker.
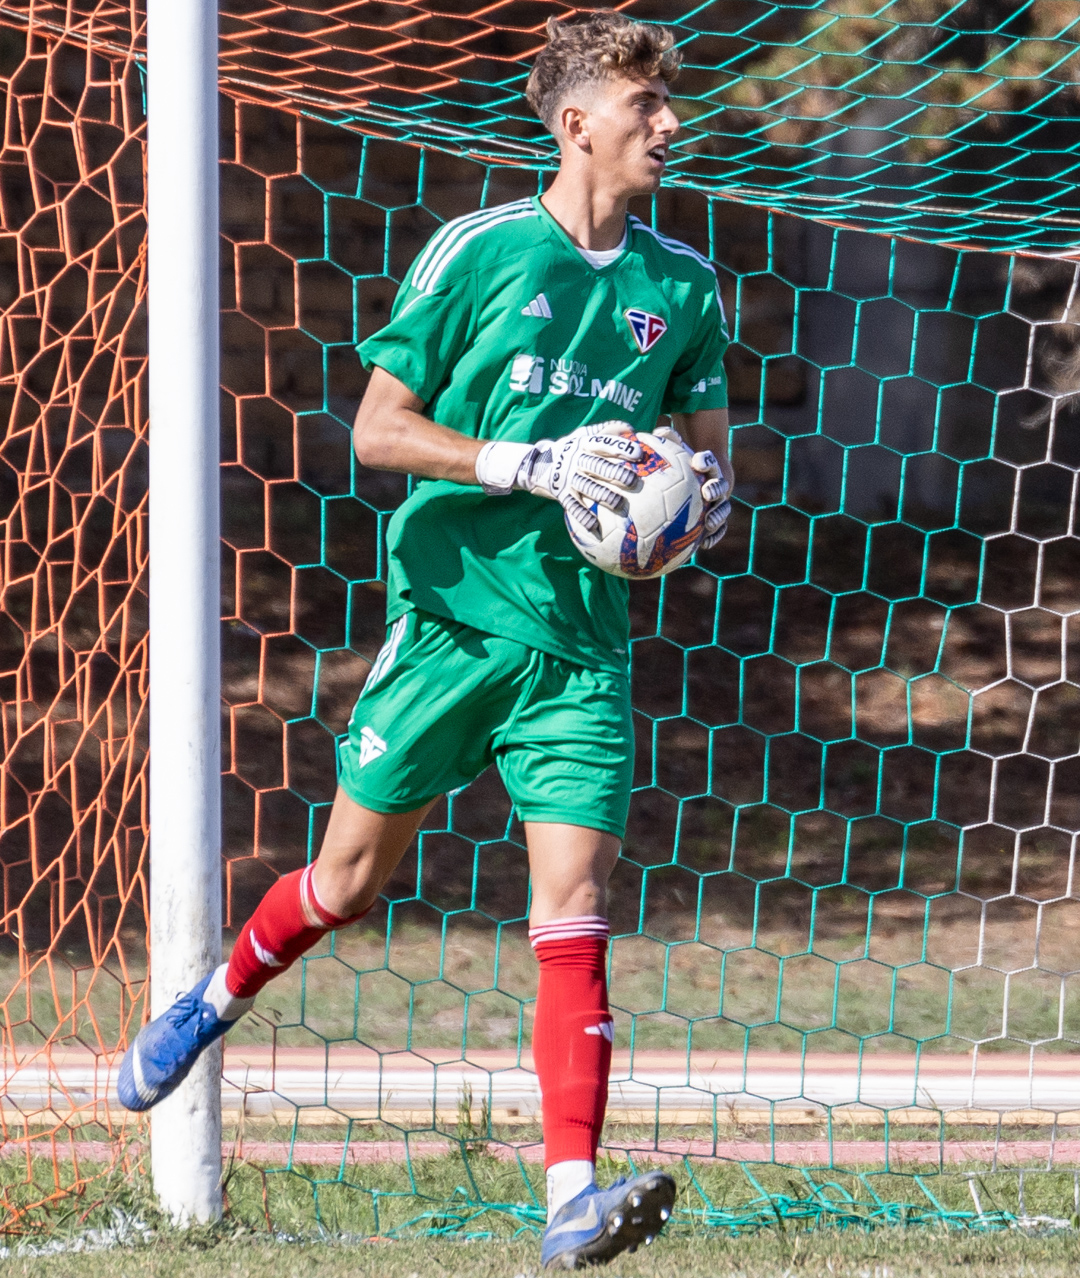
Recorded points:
(630, 126)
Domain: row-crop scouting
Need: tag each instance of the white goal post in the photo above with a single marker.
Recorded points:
(185, 675)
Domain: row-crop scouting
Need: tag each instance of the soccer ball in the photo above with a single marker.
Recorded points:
(661, 523)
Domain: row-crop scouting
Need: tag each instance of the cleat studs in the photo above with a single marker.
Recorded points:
(615, 1224)
(635, 1201)
(648, 1240)
(665, 1212)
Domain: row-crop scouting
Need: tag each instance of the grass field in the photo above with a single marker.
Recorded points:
(272, 1227)
(892, 1253)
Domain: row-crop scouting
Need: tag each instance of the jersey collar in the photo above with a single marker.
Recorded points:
(569, 245)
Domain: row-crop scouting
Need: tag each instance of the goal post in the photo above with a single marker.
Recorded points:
(185, 577)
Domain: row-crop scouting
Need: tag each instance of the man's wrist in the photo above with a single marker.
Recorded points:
(498, 465)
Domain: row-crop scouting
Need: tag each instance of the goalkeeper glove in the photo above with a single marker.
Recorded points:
(587, 467)
(714, 488)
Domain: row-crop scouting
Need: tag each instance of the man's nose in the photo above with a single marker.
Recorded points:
(669, 121)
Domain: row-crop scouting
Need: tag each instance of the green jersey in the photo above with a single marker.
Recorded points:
(505, 331)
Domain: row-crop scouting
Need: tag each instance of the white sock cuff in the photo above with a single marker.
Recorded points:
(316, 912)
(227, 1006)
(567, 1180)
(570, 929)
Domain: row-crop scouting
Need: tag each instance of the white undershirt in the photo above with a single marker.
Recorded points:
(598, 258)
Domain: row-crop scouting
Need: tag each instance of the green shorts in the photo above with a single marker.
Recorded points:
(443, 701)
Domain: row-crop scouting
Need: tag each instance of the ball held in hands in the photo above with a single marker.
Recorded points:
(715, 489)
(660, 521)
(592, 466)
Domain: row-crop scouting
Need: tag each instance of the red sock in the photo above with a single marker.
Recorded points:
(572, 1035)
(289, 920)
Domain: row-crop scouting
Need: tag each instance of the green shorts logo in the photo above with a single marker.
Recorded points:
(371, 746)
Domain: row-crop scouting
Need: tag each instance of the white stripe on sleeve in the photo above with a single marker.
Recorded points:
(446, 255)
(450, 230)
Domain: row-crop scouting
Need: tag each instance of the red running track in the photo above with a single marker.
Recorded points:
(812, 1153)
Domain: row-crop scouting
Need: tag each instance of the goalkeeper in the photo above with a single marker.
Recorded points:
(526, 345)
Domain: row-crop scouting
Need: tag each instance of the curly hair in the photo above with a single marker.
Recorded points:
(604, 46)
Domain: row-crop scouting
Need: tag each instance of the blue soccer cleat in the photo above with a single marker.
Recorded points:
(165, 1050)
(600, 1223)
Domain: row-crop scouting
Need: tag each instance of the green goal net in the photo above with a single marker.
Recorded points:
(844, 917)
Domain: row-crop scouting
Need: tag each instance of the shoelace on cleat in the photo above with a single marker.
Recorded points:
(182, 1011)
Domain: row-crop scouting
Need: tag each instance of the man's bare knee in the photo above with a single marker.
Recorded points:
(570, 867)
(360, 850)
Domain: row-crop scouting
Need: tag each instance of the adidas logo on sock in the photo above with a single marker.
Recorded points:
(538, 308)
(371, 746)
(265, 956)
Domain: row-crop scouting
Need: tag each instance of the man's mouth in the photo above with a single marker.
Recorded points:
(659, 154)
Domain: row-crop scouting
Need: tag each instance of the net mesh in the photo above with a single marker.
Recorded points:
(842, 972)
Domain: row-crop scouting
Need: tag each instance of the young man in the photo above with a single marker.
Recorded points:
(527, 344)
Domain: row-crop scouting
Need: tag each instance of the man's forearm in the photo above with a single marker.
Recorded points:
(707, 429)
(408, 442)
(391, 433)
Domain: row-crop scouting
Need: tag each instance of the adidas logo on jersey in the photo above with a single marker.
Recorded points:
(371, 746)
(538, 308)
(646, 328)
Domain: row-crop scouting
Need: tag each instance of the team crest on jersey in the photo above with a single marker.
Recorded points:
(646, 328)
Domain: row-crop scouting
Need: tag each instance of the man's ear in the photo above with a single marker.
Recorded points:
(573, 123)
